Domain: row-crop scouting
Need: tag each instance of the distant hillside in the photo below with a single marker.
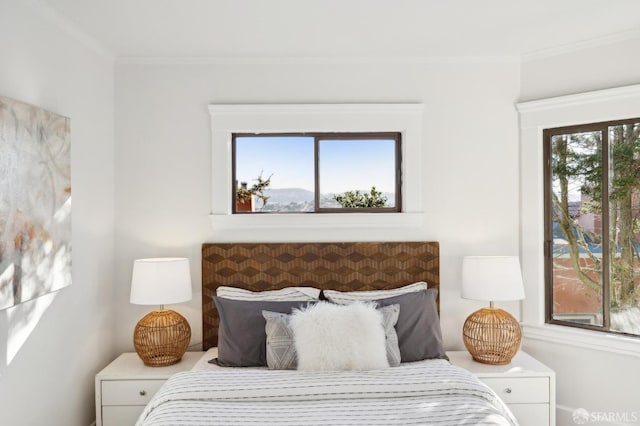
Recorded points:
(288, 199)
(298, 199)
(285, 196)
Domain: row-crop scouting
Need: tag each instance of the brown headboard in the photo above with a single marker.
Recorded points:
(338, 266)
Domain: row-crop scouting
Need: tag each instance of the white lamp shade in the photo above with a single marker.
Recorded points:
(160, 281)
(492, 278)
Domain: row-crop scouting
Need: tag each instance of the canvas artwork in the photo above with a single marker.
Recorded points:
(35, 202)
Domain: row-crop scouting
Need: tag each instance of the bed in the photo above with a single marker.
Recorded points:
(244, 381)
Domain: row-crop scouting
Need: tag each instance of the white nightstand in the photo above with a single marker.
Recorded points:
(526, 385)
(125, 386)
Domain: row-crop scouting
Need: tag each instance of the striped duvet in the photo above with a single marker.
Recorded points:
(420, 393)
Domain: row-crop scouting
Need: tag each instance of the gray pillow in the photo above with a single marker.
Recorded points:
(281, 349)
(418, 326)
(241, 334)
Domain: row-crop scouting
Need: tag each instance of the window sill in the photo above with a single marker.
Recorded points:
(317, 221)
(595, 340)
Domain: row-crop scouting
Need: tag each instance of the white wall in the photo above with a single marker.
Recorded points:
(163, 145)
(596, 380)
(51, 347)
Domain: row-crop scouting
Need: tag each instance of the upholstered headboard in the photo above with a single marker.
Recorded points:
(338, 266)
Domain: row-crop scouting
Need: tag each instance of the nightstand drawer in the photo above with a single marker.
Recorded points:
(121, 415)
(531, 414)
(129, 392)
(520, 390)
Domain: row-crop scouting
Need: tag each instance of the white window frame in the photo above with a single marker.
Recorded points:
(535, 116)
(298, 118)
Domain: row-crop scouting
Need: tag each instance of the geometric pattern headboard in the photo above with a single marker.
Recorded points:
(338, 266)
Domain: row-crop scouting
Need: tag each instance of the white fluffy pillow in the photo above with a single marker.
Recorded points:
(339, 337)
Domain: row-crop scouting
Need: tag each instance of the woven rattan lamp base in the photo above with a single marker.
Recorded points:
(161, 338)
(492, 336)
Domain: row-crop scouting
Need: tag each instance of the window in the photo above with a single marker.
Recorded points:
(592, 226)
(228, 121)
(316, 172)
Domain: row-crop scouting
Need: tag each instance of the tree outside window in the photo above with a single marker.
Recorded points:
(592, 226)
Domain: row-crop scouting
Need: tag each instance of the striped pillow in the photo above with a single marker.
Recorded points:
(347, 297)
(289, 294)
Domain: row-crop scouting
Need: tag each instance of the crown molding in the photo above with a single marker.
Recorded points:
(311, 60)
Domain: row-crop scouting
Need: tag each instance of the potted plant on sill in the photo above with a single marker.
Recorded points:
(245, 196)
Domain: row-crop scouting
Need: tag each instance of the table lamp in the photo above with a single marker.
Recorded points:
(162, 336)
(492, 335)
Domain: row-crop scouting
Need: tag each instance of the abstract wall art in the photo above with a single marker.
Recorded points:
(35, 202)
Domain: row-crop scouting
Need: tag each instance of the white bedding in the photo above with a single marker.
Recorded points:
(204, 364)
(419, 393)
